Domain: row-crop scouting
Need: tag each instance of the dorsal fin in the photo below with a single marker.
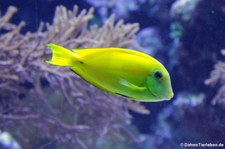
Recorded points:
(92, 51)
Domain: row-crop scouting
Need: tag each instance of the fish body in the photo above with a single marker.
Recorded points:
(118, 71)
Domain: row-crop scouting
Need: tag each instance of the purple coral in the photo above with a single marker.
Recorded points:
(52, 102)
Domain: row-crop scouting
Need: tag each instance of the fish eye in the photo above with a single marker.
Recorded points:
(158, 75)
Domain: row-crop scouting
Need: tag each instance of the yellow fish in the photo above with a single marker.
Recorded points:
(118, 71)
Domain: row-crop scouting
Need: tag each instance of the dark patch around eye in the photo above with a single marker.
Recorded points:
(158, 75)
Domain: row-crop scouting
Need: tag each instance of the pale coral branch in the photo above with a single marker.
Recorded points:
(217, 76)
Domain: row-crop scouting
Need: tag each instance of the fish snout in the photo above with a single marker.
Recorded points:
(170, 95)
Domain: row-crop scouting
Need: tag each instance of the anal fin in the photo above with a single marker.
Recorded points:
(122, 95)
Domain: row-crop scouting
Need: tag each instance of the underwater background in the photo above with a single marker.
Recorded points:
(46, 107)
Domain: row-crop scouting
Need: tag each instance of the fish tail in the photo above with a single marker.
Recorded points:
(62, 56)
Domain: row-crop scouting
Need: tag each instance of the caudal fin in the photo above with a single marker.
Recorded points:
(62, 56)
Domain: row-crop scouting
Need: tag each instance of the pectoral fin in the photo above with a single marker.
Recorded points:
(131, 86)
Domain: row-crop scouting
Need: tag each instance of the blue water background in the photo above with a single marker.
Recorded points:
(188, 46)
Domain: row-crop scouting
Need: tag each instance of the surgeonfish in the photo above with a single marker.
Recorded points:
(118, 71)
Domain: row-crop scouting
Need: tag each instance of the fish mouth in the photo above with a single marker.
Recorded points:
(170, 95)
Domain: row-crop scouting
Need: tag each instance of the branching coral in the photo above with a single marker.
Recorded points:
(52, 101)
(217, 76)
